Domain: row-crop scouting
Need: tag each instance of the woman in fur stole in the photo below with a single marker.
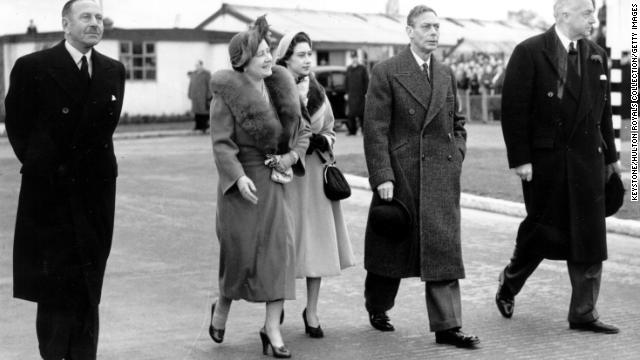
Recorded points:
(256, 112)
(323, 247)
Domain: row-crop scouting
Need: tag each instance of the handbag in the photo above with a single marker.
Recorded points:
(335, 185)
(282, 177)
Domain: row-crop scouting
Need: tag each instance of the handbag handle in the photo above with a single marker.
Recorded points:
(323, 159)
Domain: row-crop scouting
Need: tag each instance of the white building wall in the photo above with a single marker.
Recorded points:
(226, 22)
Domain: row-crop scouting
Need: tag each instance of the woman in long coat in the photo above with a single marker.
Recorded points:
(323, 247)
(256, 112)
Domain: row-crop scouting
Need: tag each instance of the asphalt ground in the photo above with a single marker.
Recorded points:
(162, 276)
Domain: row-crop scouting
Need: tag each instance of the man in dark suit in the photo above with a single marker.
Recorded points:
(414, 145)
(356, 82)
(559, 136)
(63, 106)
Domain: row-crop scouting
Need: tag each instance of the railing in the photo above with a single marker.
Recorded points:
(483, 107)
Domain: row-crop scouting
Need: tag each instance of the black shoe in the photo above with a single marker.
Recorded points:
(456, 337)
(216, 334)
(596, 326)
(282, 316)
(504, 300)
(380, 321)
(278, 352)
(314, 332)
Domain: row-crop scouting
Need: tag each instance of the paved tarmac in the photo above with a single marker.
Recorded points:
(162, 276)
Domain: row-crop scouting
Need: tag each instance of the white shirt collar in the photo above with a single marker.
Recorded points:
(77, 56)
(565, 40)
(419, 59)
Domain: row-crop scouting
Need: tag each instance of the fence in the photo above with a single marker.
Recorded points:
(481, 107)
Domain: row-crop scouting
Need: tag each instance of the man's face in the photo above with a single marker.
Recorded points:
(425, 32)
(83, 25)
(579, 18)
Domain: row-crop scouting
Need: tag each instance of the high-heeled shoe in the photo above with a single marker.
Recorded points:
(314, 332)
(216, 334)
(278, 352)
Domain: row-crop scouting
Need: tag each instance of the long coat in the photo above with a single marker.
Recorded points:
(199, 91)
(62, 135)
(323, 247)
(568, 141)
(419, 145)
(356, 84)
(257, 246)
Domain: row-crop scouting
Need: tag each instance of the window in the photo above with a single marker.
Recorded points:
(139, 59)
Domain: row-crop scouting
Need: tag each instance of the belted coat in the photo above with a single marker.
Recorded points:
(414, 138)
(567, 140)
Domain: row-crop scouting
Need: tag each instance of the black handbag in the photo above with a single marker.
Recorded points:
(336, 186)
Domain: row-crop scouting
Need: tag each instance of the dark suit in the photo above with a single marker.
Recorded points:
(61, 131)
(356, 82)
(414, 138)
(561, 124)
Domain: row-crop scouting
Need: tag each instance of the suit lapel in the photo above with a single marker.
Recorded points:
(412, 78)
(65, 72)
(589, 82)
(441, 81)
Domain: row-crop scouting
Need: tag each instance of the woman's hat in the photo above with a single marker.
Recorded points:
(244, 45)
(391, 219)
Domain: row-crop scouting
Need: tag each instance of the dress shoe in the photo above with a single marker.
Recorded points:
(595, 326)
(314, 332)
(380, 321)
(504, 300)
(278, 352)
(216, 334)
(456, 337)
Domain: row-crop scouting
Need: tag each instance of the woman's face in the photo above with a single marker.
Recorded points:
(259, 67)
(300, 61)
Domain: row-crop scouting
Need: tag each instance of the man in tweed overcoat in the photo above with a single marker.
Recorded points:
(414, 146)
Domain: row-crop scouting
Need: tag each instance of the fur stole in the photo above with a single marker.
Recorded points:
(272, 131)
(315, 96)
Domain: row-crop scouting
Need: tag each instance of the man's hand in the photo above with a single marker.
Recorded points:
(385, 190)
(525, 172)
(247, 189)
(614, 167)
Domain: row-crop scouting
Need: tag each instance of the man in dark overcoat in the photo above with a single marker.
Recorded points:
(559, 136)
(63, 106)
(200, 95)
(356, 82)
(414, 147)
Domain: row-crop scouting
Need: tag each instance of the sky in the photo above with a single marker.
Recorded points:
(15, 14)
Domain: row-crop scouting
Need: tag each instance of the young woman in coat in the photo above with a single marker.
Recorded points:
(255, 112)
(323, 247)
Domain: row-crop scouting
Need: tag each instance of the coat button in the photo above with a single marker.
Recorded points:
(411, 111)
(449, 157)
(65, 110)
(106, 146)
(599, 150)
(550, 94)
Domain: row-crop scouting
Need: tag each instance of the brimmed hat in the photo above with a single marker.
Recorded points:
(613, 194)
(391, 219)
(244, 45)
(285, 42)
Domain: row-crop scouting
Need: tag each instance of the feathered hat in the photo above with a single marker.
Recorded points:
(244, 45)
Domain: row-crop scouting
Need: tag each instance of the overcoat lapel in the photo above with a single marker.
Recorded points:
(589, 82)
(65, 72)
(412, 79)
(551, 50)
(441, 80)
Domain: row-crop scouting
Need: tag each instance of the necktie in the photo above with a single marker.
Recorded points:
(425, 70)
(84, 70)
(572, 58)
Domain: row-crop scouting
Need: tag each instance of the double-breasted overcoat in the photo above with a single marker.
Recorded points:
(414, 138)
(567, 140)
(61, 132)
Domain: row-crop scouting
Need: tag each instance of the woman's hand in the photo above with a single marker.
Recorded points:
(247, 189)
(286, 161)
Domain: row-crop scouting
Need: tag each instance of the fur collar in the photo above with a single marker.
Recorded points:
(315, 96)
(271, 130)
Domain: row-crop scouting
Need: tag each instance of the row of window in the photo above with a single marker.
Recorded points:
(139, 59)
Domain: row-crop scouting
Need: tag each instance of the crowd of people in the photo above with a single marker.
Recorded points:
(478, 72)
(272, 136)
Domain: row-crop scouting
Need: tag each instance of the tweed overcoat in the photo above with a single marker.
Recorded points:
(568, 141)
(62, 135)
(199, 91)
(419, 145)
(257, 245)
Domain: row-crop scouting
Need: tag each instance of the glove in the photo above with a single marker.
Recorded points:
(286, 161)
(319, 142)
